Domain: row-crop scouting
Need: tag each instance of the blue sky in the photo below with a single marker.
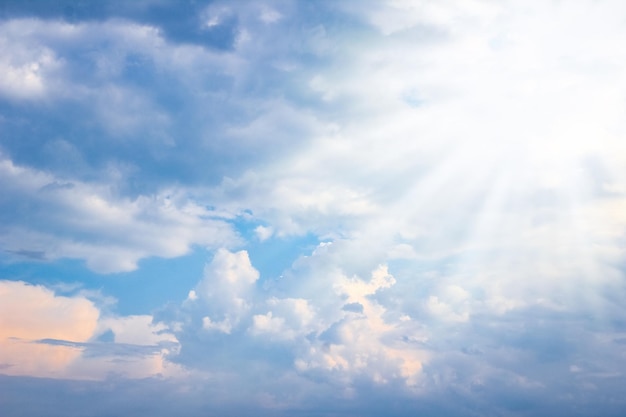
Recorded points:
(329, 208)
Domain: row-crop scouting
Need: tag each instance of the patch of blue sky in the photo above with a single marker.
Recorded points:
(272, 255)
(155, 283)
(277, 254)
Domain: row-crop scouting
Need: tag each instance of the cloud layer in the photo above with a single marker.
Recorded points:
(401, 206)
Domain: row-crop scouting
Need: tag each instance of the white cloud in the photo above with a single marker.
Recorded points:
(47, 59)
(266, 323)
(224, 326)
(490, 167)
(226, 289)
(263, 233)
(393, 16)
(364, 343)
(269, 15)
(286, 320)
(72, 219)
(339, 330)
(215, 14)
(136, 330)
(25, 80)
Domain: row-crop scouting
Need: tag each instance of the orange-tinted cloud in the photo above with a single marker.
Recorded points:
(29, 313)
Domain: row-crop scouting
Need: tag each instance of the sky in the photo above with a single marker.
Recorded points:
(312, 208)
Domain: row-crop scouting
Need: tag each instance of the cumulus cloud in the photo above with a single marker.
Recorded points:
(339, 331)
(225, 291)
(286, 319)
(361, 341)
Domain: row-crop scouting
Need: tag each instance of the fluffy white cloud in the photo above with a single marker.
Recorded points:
(361, 341)
(263, 233)
(226, 290)
(337, 331)
(287, 319)
(136, 330)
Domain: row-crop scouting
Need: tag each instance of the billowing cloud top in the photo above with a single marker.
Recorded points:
(322, 208)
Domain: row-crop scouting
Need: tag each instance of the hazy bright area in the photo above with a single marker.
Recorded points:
(312, 208)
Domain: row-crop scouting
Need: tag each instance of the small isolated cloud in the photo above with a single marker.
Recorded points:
(264, 232)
